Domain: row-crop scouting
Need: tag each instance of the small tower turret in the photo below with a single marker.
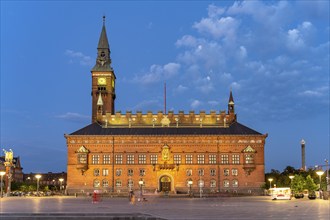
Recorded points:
(231, 104)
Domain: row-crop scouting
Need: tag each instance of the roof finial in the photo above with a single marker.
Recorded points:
(103, 19)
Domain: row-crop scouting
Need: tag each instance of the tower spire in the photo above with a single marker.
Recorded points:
(231, 103)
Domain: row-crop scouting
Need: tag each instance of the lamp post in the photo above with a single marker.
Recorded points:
(140, 183)
(38, 176)
(190, 182)
(200, 188)
(270, 182)
(291, 177)
(320, 173)
(2, 173)
(61, 181)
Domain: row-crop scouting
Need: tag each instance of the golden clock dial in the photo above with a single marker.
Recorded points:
(101, 81)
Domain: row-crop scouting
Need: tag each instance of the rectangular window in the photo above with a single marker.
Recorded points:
(234, 172)
(226, 183)
(119, 159)
(82, 158)
(224, 159)
(177, 158)
(142, 159)
(106, 159)
(226, 172)
(235, 158)
(154, 159)
(213, 183)
(130, 172)
(200, 172)
(105, 183)
(118, 183)
(105, 172)
(189, 172)
(188, 159)
(95, 159)
(118, 172)
(213, 172)
(200, 158)
(142, 172)
(212, 159)
(249, 159)
(130, 159)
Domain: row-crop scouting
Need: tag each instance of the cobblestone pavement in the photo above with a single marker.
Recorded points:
(163, 208)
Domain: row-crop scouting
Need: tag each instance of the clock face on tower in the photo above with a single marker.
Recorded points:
(101, 81)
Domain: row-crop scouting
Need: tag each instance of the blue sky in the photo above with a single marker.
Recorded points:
(273, 54)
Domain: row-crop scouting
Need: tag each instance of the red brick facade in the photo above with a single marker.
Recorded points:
(165, 151)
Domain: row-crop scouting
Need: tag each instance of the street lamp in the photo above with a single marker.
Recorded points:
(190, 182)
(38, 176)
(320, 173)
(2, 173)
(140, 183)
(201, 184)
(270, 182)
(61, 181)
(291, 177)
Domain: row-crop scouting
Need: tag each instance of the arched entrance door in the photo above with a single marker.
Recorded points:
(165, 184)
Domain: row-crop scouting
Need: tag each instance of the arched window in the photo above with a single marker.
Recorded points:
(235, 183)
(226, 183)
(105, 183)
(118, 183)
(96, 183)
(213, 183)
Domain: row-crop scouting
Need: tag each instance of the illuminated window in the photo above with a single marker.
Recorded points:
(130, 183)
(118, 172)
(118, 183)
(189, 172)
(235, 183)
(105, 172)
(130, 159)
(187, 182)
(154, 159)
(226, 172)
(213, 172)
(142, 159)
(224, 159)
(213, 183)
(200, 158)
(249, 159)
(200, 183)
(95, 159)
(200, 172)
(96, 183)
(119, 159)
(105, 183)
(234, 172)
(96, 172)
(188, 159)
(106, 159)
(82, 158)
(226, 183)
(177, 158)
(235, 158)
(212, 159)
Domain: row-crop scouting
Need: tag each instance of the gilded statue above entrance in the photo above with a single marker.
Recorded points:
(165, 153)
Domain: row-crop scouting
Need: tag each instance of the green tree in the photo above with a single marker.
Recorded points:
(298, 184)
(310, 185)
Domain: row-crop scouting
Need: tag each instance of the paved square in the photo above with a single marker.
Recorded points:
(163, 208)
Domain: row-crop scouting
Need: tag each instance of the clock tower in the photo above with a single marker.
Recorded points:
(103, 79)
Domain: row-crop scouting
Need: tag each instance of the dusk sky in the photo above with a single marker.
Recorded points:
(274, 55)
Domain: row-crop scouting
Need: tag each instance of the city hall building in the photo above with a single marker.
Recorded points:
(163, 151)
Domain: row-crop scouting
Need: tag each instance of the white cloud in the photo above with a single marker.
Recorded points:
(157, 73)
(215, 11)
(181, 89)
(297, 37)
(195, 104)
(224, 27)
(74, 117)
(242, 52)
(186, 40)
(79, 57)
